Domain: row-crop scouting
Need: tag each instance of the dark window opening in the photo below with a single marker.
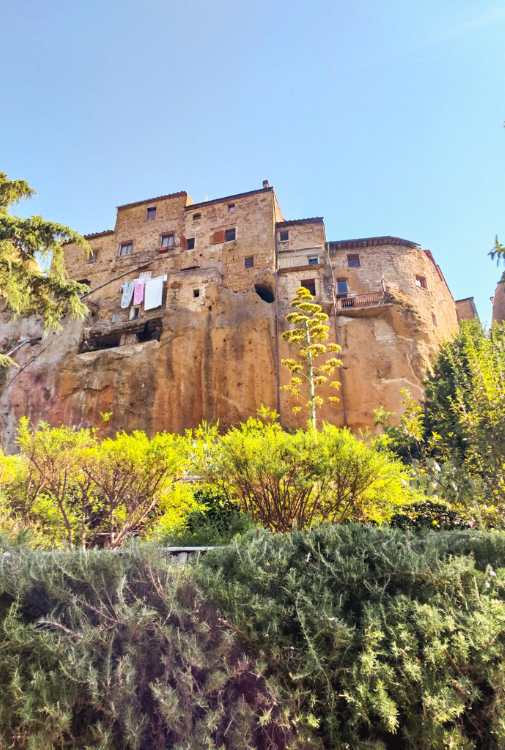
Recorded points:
(196, 217)
(108, 341)
(134, 313)
(265, 292)
(84, 281)
(92, 257)
(313, 260)
(230, 235)
(231, 207)
(196, 292)
(309, 284)
(150, 332)
(353, 261)
(190, 243)
(125, 248)
(249, 261)
(342, 288)
(421, 282)
(151, 213)
(283, 235)
(167, 241)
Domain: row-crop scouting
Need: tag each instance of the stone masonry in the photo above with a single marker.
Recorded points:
(212, 350)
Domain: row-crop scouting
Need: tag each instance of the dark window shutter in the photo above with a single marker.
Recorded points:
(183, 242)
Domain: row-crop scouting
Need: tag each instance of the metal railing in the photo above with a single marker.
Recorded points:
(362, 300)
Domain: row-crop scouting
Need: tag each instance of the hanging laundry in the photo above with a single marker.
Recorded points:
(127, 294)
(154, 292)
(138, 292)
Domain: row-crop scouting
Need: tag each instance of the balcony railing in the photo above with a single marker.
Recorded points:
(363, 300)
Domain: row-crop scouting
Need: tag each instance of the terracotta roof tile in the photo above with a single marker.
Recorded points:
(310, 220)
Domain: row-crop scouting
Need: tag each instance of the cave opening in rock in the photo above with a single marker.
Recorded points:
(150, 332)
(265, 292)
(105, 341)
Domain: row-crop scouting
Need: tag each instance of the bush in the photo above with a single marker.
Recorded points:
(120, 651)
(380, 638)
(289, 480)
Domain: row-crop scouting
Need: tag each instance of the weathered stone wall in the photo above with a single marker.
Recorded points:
(499, 303)
(220, 325)
(466, 310)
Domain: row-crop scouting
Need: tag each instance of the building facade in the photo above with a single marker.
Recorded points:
(200, 338)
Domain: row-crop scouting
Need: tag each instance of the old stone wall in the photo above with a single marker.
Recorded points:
(212, 350)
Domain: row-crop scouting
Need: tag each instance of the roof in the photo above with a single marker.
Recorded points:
(310, 220)
(465, 299)
(192, 206)
(93, 235)
(371, 241)
(180, 194)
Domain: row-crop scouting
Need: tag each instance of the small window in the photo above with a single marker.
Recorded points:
(197, 217)
(313, 260)
(283, 235)
(249, 261)
(92, 257)
(353, 261)
(134, 313)
(434, 319)
(190, 243)
(167, 240)
(229, 235)
(421, 282)
(196, 293)
(309, 284)
(151, 213)
(125, 248)
(342, 288)
(231, 208)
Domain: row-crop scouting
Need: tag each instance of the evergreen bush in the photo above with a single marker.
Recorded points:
(381, 638)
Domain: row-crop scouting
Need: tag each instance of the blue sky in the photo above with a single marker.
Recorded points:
(384, 116)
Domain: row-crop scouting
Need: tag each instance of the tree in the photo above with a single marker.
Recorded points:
(25, 288)
(310, 368)
(287, 480)
(498, 252)
(76, 489)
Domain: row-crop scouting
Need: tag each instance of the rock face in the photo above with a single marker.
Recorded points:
(212, 349)
(499, 303)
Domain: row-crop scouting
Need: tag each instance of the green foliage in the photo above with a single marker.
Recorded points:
(455, 442)
(122, 652)
(311, 368)
(217, 521)
(292, 480)
(75, 488)
(377, 637)
(24, 288)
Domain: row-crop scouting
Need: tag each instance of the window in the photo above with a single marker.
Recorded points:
(353, 261)
(231, 207)
(421, 282)
(196, 292)
(151, 213)
(283, 235)
(309, 284)
(93, 256)
(230, 235)
(134, 313)
(125, 248)
(313, 260)
(190, 243)
(197, 217)
(342, 288)
(249, 261)
(167, 241)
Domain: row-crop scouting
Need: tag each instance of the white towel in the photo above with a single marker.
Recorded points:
(127, 294)
(153, 292)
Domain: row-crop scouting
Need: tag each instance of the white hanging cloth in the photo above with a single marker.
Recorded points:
(153, 292)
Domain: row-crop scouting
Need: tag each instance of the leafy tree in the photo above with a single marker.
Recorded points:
(289, 480)
(498, 254)
(310, 369)
(78, 489)
(26, 289)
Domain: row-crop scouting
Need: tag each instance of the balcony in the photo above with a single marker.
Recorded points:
(363, 301)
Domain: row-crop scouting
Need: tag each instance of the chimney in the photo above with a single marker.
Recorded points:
(266, 184)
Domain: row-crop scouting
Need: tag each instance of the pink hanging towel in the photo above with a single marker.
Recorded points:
(138, 293)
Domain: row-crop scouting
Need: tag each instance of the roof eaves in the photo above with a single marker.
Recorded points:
(193, 206)
(180, 194)
(371, 241)
(290, 222)
(93, 235)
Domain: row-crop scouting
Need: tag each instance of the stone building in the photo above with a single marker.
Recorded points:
(210, 347)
